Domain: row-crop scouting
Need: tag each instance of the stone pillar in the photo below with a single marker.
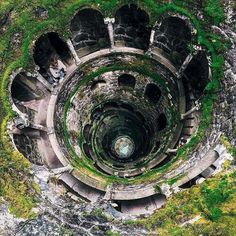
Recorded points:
(108, 194)
(42, 80)
(73, 52)
(188, 59)
(170, 151)
(62, 170)
(196, 108)
(38, 127)
(51, 131)
(109, 22)
(151, 38)
(185, 64)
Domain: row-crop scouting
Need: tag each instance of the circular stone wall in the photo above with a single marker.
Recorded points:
(100, 109)
(111, 128)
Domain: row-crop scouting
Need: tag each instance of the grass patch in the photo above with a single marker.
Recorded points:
(214, 202)
(214, 10)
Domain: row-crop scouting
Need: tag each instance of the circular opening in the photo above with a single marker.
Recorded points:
(152, 93)
(98, 84)
(123, 147)
(127, 81)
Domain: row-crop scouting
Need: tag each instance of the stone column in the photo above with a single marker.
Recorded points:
(109, 22)
(62, 170)
(187, 60)
(73, 51)
(171, 151)
(151, 38)
(196, 108)
(41, 79)
(183, 67)
(108, 194)
(38, 127)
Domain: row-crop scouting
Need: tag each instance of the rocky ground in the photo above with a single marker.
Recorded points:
(61, 214)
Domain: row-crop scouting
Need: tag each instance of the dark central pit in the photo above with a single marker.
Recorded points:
(122, 121)
(123, 147)
(121, 134)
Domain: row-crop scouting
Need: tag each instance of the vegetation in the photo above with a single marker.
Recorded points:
(213, 198)
(15, 184)
(228, 145)
(215, 11)
(112, 233)
(213, 202)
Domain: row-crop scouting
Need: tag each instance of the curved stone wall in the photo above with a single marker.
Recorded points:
(129, 100)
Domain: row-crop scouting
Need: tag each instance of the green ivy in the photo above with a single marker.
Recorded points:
(213, 198)
(215, 11)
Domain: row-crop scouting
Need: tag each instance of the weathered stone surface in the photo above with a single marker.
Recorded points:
(16, 40)
(60, 215)
(224, 111)
(41, 13)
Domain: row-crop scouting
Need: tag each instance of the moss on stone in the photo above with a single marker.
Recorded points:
(59, 15)
(212, 202)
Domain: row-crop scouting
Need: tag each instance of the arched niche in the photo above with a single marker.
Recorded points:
(173, 37)
(89, 31)
(48, 46)
(197, 73)
(97, 84)
(25, 88)
(131, 27)
(152, 93)
(145, 205)
(156, 146)
(126, 80)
